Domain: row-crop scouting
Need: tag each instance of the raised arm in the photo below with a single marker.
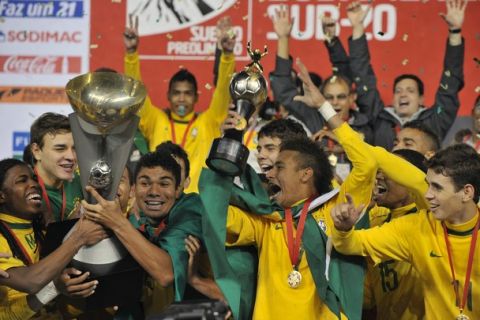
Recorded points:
(283, 86)
(218, 108)
(368, 96)
(445, 108)
(336, 51)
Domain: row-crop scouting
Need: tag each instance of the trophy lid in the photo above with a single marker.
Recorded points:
(105, 99)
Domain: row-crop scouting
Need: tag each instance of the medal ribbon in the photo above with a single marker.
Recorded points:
(22, 248)
(469, 264)
(184, 139)
(47, 200)
(294, 243)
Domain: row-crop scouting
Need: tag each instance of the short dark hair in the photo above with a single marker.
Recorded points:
(461, 163)
(414, 157)
(174, 149)
(432, 138)
(312, 156)
(183, 75)
(334, 78)
(163, 160)
(411, 77)
(282, 129)
(48, 123)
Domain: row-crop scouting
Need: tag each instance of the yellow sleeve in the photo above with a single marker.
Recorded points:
(149, 114)
(218, 108)
(404, 173)
(17, 309)
(390, 241)
(243, 228)
(359, 183)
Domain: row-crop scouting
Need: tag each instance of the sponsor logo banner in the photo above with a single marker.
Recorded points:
(41, 9)
(40, 64)
(50, 95)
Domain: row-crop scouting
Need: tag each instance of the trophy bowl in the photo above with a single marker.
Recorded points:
(105, 99)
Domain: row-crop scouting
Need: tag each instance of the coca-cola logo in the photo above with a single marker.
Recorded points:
(40, 64)
(16, 64)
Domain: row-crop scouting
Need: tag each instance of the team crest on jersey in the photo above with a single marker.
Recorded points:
(322, 225)
(194, 132)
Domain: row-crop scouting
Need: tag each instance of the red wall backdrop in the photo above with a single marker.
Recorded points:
(406, 37)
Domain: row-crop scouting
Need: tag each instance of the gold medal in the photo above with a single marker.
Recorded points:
(241, 124)
(462, 316)
(294, 279)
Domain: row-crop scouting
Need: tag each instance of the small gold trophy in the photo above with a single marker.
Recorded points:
(248, 90)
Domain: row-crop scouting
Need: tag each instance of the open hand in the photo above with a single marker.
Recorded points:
(312, 95)
(282, 24)
(455, 13)
(130, 35)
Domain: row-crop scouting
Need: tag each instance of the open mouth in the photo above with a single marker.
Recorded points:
(404, 104)
(154, 205)
(34, 198)
(274, 190)
(266, 167)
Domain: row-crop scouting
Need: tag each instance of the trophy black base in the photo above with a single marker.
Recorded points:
(120, 283)
(228, 157)
(201, 309)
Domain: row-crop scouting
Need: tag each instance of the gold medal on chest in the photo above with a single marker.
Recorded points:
(462, 316)
(294, 279)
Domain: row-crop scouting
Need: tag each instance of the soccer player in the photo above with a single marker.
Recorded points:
(440, 243)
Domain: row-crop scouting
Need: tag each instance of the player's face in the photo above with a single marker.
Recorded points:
(446, 203)
(20, 194)
(388, 193)
(155, 191)
(339, 96)
(268, 149)
(413, 139)
(56, 160)
(182, 97)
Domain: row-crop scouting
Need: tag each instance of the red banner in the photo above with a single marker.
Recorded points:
(405, 37)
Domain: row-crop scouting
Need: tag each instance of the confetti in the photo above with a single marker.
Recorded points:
(181, 67)
(99, 36)
(424, 1)
(117, 1)
(447, 73)
(93, 46)
(334, 69)
(169, 36)
(444, 86)
(405, 62)
(365, 88)
(405, 37)
(477, 89)
(380, 33)
(333, 79)
(208, 86)
(357, 79)
(245, 18)
(384, 67)
(477, 61)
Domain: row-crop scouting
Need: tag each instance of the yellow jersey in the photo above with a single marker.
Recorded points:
(13, 303)
(155, 123)
(419, 240)
(274, 298)
(393, 287)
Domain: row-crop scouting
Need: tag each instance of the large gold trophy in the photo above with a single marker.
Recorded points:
(248, 89)
(103, 127)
